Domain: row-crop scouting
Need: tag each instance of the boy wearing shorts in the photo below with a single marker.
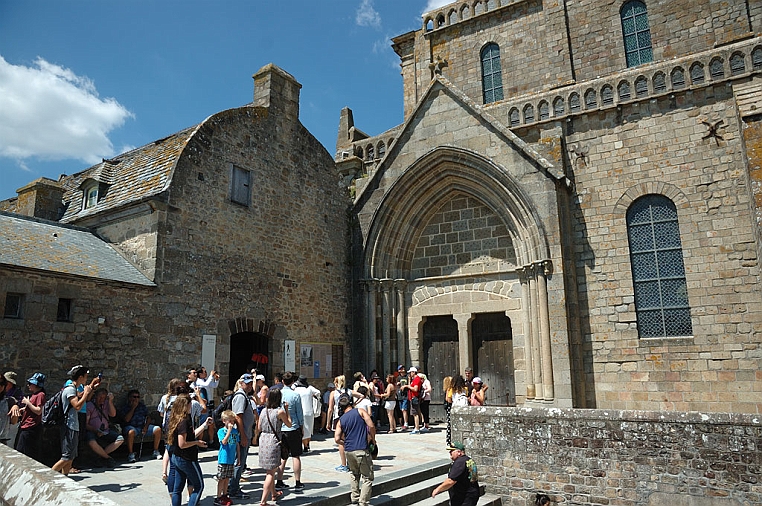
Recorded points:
(229, 438)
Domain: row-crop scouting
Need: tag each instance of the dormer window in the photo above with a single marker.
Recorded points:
(90, 196)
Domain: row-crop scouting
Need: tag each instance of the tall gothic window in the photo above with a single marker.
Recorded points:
(658, 272)
(637, 34)
(492, 75)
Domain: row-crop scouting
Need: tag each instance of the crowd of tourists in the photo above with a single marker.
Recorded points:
(280, 419)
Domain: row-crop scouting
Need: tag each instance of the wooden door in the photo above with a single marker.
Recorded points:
(493, 357)
(440, 352)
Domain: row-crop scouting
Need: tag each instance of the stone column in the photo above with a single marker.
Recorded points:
(534, 316)
(399, 287)
(528, 325)
(543, 270)
(465, 346)
(386, 322)
(371, 287)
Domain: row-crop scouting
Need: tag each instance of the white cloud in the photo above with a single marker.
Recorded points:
(50, 113)
(367, 16)
(435, 4)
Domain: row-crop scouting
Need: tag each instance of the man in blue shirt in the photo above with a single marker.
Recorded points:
(292, 436)
(355, 429)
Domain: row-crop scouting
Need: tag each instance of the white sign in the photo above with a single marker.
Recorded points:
(208, 351)
(289, 355)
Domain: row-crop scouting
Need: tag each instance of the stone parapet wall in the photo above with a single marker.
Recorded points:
(609, 457)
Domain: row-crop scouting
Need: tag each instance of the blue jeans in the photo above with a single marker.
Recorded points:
(235, 482)
(186, 470)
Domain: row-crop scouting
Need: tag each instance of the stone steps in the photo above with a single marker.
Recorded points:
(407, 487)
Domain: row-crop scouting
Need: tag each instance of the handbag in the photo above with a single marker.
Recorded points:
(284, 453)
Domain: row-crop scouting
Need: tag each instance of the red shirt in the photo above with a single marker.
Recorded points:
(29, 419)
(410, 391)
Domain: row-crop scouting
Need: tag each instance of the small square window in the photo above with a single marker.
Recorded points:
(240, 187)
(64, 310)
(13, 305)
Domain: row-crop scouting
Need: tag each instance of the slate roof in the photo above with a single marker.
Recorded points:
(33, 243)
(129, 177)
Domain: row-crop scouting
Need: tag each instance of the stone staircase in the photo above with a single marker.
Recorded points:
(411, 486)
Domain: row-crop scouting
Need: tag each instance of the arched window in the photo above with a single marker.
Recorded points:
(678, 78)
(591, 100)
(660, 82)
(514, 117)
(737, 65)
(607, 95)
(658, 272)
(641, 86)
(697, 73)
(492, 76)
(528, 113)
(440, 21)
(756, 58)
(637, 34)
(624, 91)
(558, 106)
(544, 110)
(716, 69)
(369, 153)
(381, 149)
(574, 102)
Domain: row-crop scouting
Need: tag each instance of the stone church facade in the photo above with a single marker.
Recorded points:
(572, 205)
(189, 247)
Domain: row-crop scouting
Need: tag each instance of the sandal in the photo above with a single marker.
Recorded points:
(74, 470)
(278, 495)
(390, 432)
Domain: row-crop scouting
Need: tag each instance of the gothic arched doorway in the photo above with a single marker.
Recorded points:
(248, 350)
(493, 357)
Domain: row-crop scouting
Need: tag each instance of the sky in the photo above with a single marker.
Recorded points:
(82, 80)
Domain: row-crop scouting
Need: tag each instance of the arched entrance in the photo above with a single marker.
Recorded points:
(440, 352)
(493, 357)
(247, 351)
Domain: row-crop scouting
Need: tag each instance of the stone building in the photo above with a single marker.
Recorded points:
(188, 248)
(571, 206)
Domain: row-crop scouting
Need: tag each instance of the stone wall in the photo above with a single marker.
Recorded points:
(623, 458)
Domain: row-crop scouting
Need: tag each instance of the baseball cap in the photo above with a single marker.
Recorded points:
(247, 378)
(400, 367)
(331, 385)
(260, 377)
(10, 377)
(456, 446)
(477, 380)
(413, 369)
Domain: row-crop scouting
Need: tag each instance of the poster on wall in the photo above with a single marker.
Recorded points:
(316, 360)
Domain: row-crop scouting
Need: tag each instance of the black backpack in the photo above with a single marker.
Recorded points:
(53, 412)
(226, 404)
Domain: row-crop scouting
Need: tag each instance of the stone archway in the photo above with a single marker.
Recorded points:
(250, 346)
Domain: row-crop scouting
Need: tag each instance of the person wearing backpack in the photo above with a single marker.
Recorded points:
(71, 406)
(6, 418)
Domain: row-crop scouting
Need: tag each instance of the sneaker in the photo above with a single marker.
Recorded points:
(131, 458)
(279, 484)
(157, 455)
(226, 501)
(238, 495)
(110, 462)
(299, 485)
(341, 469)
(414, 431)
(424, 429)
(218, 500)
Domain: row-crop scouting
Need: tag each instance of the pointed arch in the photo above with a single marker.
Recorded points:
(417, 193)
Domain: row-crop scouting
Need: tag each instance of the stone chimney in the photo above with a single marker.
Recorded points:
(42, 198)
(346, 122)
(277, 90)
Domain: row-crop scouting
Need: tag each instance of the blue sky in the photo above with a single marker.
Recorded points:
(82, 80)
